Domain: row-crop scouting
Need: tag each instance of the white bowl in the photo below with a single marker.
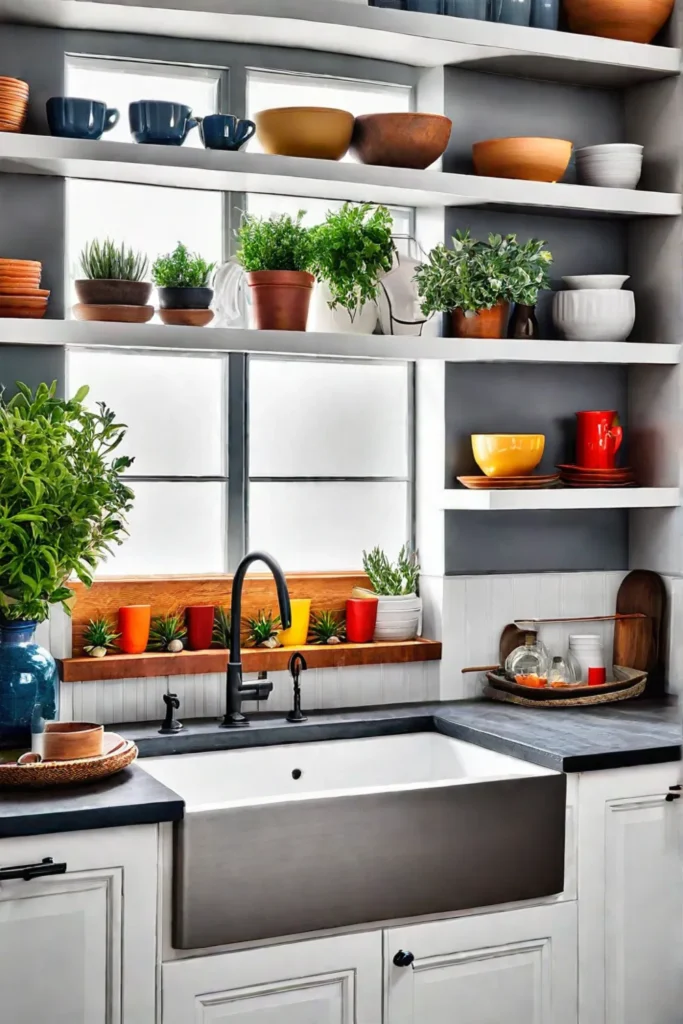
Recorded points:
(609, 148)
(593, 281)
(594, 314)
(611, 166)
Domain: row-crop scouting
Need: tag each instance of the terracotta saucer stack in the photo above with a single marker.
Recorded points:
(509, 483)
(579, 476)
(20, 291)
(13, 104)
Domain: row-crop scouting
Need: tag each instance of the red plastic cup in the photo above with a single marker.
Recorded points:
(597, 676)
(361, 616)
(199, 626)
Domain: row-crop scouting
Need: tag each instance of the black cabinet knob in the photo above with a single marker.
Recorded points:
(403, 958)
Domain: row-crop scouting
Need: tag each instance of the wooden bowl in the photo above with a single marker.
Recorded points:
(186, 317)
(529, 159)
(67, 741)
(322, 133)
(400, 140)
(114, 314)
(637, 21)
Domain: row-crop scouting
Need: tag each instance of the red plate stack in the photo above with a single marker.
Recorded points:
(579, 476)
(20, 291)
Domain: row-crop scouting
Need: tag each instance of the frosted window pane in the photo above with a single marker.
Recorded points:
(269, 89)
(175, 528)
(309, 418)
(173, 406)
(326, 526)
(145, 217)
(121, 83)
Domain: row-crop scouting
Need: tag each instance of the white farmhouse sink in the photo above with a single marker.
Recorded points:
(305, 836)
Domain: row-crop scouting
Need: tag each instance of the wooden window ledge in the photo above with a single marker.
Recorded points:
(136, 666)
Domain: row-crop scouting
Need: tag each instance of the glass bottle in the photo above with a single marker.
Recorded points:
(528, 664)
(562, 673)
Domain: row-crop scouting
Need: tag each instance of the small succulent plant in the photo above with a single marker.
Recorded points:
(108, 261)
(263, 630)
(327, 628)
(167, 633)
(99, 637)
(221, 627)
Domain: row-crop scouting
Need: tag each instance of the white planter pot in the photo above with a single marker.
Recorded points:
(339, 320)
(399, 618)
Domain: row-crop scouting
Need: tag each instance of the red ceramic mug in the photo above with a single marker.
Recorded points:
(199, 626)
(598, 438)
(361, 616)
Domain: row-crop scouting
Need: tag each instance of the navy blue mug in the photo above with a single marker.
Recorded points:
(160, 123)
(73, 118)
(225, 131)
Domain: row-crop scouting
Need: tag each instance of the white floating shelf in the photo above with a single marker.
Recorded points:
(561, 498)
(187, 167)
(336, 26)
(356, 346)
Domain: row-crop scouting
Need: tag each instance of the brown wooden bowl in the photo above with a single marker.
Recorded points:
(67, 741)
(186, 317)
(528, 159)
(637, 21)
(400, 140)
(114, 313)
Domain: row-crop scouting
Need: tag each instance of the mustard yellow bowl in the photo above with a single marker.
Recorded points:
(501, 455)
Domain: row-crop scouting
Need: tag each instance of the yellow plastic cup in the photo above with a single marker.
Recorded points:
(297, 634)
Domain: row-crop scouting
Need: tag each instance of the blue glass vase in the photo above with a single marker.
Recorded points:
(29, 684)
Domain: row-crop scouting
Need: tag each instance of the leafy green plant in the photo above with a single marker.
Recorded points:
(327, 628)
(391, 579)
(181, 269)
(221, 627)
(167, 633)
(351, 250)
(99, 637)
(108, 261)
(63, 502)
(475, 275)
(262, 630)
(279, 243)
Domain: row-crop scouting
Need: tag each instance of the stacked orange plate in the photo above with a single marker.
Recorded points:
(13, 104)
(20, 291)
(580, 476)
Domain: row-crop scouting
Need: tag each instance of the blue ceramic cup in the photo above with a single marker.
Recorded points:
(160, 123)
(73, 118)
(225, 131)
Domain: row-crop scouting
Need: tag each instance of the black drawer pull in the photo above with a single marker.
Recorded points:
(403, 958)
(673, 794)
(28, 871)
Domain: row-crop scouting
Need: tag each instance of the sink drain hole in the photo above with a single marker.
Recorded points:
(297, 773)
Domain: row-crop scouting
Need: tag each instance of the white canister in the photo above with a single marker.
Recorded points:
(586, 651)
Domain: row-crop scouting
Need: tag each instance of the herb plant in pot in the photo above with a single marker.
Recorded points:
(112, 286)
(276, 255)
(183, 281)
(352, 249)
(64, 503)
(399, 608)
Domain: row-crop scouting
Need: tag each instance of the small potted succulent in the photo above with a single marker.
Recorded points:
(399, 608)
(183, 281)
(327, 628)
(99, 637)
(276, 254)
(476, 281)
(113, 275)
(221, 627)
(262, 630)
(167, 633)
(352, 249)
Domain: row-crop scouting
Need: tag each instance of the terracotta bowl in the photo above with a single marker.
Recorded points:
(529, 159)
(21, 291)
(400, 140)
(501, 455)
(637, 21)
(16, 285)
(323, 133)
(186, 317)
(8, 264)
(114, 313)
(65, 741)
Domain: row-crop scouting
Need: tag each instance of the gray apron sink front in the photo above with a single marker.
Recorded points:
(302, 837)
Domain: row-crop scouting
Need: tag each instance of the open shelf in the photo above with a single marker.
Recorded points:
(136, 666)
(560, 498)
(186, 167)
(356, 346)
(337, 26)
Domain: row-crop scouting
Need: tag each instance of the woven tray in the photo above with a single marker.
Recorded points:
(624, 679)
(494, 693)
(67, 773)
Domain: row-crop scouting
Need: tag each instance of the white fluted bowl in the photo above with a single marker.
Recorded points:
(594, 281)
(594, 314)
(615, 165)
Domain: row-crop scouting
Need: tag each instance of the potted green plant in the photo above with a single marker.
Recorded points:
(262, 630)
(276, 254)
(183, 281)
(221, 627)
(352, 249)
(327, 628)
(64, 504)
(475, 281)
(112, 275)
(167, 633)
(399, 608)
(99, 637)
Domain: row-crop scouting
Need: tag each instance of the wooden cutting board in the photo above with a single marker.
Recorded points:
(640, 643)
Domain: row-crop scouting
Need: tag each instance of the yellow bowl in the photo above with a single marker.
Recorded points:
(323, 133)
(501, 455)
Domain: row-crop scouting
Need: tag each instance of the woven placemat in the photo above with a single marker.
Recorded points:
(570, 702)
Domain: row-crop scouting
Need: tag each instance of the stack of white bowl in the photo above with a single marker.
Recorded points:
(586, 650)
(615, 165)
(594, 308)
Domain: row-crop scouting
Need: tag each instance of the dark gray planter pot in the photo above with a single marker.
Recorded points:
(185, 298)
(113, 292)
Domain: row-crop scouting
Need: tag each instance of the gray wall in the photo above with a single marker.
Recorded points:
(31, 364)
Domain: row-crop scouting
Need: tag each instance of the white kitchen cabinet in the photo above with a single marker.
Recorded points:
(630, 897)
(80, 947)
(517, 966)
(336, 980)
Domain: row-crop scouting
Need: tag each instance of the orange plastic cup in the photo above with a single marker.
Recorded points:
(134, 623)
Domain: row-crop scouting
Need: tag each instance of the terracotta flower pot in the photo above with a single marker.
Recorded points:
(134, 623)
(487, 323)
(637, 21)
(281, 299)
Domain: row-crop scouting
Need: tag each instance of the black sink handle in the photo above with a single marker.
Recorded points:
(29, 871)
(403, 958)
